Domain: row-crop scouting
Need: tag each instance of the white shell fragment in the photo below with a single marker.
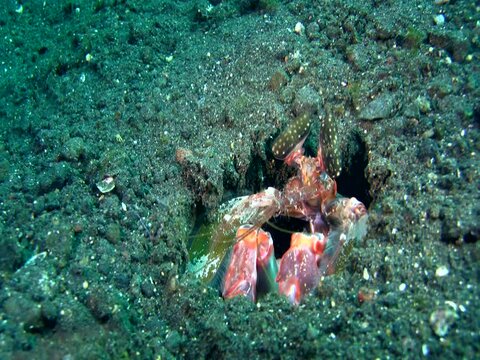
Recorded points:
(106, 185)
(442, 319)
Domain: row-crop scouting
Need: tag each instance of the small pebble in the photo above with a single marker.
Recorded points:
(366, 275)
(299, 28)
(439, 19)
(441, 271)
(425, 350)
(381, 107)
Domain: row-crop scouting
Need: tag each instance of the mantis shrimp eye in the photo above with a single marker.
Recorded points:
(330, 150)
(295, 133)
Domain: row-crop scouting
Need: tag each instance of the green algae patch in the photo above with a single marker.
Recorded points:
(205, 258)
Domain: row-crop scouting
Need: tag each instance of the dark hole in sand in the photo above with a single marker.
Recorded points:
(281, 229)
(352, 182)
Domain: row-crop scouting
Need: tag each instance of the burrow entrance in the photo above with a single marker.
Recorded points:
(352, 182)
(264, 173)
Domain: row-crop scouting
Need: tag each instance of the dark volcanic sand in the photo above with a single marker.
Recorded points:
(179, 102)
